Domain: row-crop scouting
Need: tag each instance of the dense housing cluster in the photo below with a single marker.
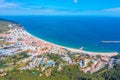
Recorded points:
(22, 51)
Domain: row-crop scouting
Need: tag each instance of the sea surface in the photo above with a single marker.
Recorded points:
(74, 31)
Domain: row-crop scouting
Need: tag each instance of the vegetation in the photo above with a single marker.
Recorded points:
(74, 73)
(4, 26)
(113, 74)
(10, 60)
(69, 73)
(2, 64)
(117, 56)
(53, 56)
(56, 58)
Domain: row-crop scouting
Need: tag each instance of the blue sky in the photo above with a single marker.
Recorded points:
(60, 7)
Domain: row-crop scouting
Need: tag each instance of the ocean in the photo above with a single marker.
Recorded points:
(74, 31)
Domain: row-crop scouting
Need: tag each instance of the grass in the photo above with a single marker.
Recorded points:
(13, 59)
(4, 26)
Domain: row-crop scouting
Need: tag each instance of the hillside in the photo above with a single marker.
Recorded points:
(4, 26)
(20, 62)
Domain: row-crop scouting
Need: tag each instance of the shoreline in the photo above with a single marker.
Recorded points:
(75, 50)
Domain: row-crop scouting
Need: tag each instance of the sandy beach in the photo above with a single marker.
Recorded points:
(76, 50)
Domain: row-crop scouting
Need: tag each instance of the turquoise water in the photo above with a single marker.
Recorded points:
(74, 31)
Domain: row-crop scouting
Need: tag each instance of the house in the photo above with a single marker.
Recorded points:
(3, 74)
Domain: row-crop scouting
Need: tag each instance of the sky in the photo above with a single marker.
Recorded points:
(60, 7)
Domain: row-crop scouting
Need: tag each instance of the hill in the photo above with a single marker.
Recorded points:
(5, 25)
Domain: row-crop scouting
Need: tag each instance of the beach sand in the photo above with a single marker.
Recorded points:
(76, 50)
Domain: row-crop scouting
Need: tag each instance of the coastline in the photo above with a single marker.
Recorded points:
(37, 52)
(76, 50)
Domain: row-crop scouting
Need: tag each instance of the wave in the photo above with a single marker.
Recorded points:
(110, 41)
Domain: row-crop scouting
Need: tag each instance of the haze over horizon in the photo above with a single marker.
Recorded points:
(58, 7)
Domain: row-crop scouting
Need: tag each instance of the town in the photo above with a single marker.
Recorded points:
(23, 51)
